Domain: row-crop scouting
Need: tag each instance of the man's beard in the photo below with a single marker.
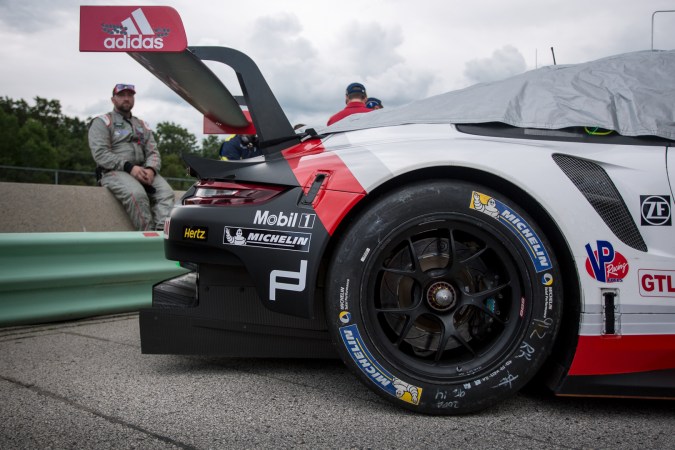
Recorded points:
(124, 108)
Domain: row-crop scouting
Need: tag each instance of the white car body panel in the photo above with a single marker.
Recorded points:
(376, 155)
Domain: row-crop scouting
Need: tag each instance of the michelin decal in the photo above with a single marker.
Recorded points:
(518, 226)
(374, 371)
(277, 239)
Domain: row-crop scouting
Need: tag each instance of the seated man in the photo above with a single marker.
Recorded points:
(126, 155)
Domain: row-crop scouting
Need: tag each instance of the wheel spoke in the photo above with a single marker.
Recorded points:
(409, 315)
(473, 256)
(465, 263)
(405, 310)
(477, 300)
(448, 331)
(404, 331)
(415, 271)
(453, 245)
(396, 271)
(414, 258)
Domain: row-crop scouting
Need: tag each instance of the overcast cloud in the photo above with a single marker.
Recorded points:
(309, 51)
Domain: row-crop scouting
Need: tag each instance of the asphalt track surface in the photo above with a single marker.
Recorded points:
(85, 385)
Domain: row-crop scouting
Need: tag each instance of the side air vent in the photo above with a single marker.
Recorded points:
(595, 184)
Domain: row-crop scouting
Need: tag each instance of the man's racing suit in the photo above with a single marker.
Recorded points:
(117, 144)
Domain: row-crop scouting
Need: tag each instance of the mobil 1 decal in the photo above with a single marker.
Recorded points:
(604, 263)
(351, 337)
(274, 238)
(655, 210)
(517, 225)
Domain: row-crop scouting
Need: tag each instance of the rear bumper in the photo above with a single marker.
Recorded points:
(217, 312)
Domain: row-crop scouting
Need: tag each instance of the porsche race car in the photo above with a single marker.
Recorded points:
(449, 251)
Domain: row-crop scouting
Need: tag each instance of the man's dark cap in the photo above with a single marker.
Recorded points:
(356, 88)
(372, 102)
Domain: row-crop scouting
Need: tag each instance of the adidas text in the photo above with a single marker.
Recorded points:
(136, 42)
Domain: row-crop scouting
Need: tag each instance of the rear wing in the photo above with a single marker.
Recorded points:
(155, 37)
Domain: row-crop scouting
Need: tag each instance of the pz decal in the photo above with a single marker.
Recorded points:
(299, 280)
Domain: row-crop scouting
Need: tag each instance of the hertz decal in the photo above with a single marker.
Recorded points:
(195, 233)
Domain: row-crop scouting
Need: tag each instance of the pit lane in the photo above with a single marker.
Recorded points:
(85, 384)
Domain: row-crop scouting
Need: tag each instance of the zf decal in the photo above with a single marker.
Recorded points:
(299, 280)
(518, 226)
(372, 369)
(278, 239)
(657, 283)
(604, 264)
(655, 210)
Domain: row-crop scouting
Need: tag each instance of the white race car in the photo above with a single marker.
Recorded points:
(449, 251)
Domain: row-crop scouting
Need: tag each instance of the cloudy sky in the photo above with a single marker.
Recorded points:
(402, 50)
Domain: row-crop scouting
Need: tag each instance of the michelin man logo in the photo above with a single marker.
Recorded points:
(238, 239)
(489, 207)
(403, 388)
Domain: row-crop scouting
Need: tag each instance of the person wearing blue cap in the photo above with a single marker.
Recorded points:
(374, 103)
(355, 98)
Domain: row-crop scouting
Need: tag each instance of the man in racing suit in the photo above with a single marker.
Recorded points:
(126, 155)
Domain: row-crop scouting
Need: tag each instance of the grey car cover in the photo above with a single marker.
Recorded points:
(632, 94)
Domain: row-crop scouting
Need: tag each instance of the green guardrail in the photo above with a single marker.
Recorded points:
(47, 277)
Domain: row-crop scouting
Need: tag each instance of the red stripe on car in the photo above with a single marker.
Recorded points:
(602, 355)
(340, 190)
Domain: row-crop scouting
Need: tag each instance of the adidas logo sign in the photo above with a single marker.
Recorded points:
(135, 33)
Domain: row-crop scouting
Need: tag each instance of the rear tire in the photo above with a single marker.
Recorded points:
(444, 297)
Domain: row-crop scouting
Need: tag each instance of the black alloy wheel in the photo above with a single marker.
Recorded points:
(439, 306)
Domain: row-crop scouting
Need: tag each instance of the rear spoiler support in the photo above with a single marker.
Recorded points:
(275, 132)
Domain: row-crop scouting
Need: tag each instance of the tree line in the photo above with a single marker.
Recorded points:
(41, 136)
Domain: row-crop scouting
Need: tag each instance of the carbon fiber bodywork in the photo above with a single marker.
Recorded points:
(221, 314)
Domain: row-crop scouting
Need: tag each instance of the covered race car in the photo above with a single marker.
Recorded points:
(450, 251)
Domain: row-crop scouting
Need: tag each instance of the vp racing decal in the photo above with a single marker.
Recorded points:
(278, 239)
(372, 369)
(517, 225)
(605, 264)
